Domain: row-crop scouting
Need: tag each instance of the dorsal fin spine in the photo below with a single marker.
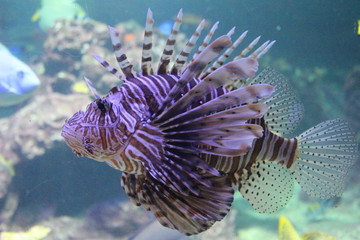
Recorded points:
(248, 48)
(146, 58)
(220, 61)
(266, 49)
(206, 41)
(92, 88)
(170, 44)
(107, 66)
(121, 57)
(181, 59)
(259, 49)
(193, 70)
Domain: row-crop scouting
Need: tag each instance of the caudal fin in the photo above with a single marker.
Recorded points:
(326, 153)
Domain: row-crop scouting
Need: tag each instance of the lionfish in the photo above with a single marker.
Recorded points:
(185, 137)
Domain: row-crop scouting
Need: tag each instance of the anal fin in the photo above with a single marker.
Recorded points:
(268, 186)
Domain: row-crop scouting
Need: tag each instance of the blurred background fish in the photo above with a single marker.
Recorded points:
(17, 80)
(288, 232)
(165, 27)
(190, 20)
(318, 209)
(52, 10)
(194, 19)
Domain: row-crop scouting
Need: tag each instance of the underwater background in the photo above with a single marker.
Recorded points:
(46, 192)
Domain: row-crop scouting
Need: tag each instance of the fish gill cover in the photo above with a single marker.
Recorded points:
(186, 136)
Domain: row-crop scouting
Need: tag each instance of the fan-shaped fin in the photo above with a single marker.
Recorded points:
(121, 57)
(326, 154)
(170, 45)
(242, 147)
(132, 184)
(184, 54)
(232, 99)
(241, 68)
(209, 53)
(285, 109)
(215, 135)
(188, 214)
(178, 172)
(267, 186)
(233, 116)
(146, 57)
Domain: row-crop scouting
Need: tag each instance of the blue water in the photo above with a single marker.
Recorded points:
(317, 46)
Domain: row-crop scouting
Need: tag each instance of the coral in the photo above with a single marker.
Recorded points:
(71, 43)
(30, 132)
(6, 174)
(9, 207)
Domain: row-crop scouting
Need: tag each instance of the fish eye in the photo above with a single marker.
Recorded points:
(101, 104)
(20, 74)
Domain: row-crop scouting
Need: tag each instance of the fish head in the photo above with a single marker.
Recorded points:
(22, 81)
(96, 132)
(16, 77)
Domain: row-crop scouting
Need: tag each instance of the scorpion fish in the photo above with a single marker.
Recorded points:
(186, 137)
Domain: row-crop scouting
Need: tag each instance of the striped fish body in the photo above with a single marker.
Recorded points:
(184, 137)
(136, 101)
(270, 147)
(120, 122)
(162, 159)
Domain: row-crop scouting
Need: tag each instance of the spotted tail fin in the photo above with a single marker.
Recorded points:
(325, 153)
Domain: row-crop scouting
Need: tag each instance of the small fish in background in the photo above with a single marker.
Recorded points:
(36, 232)
(357, 27)
(188, 18)
(287, 232)
(52, 10)
(17, 80)
(194, 19)
(165, 27)
(318, 209)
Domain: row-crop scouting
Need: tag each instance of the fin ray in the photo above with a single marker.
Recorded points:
(268, 186)
(326, 153)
